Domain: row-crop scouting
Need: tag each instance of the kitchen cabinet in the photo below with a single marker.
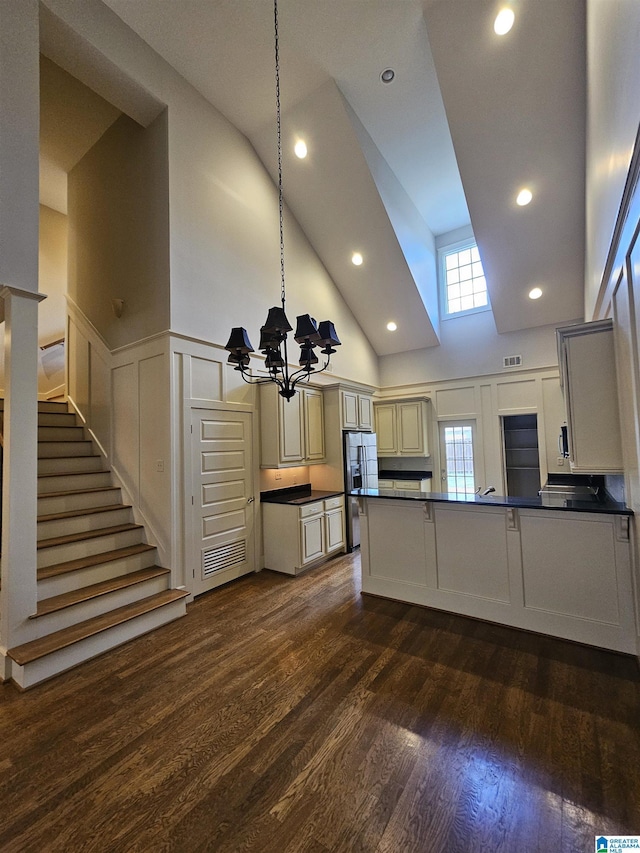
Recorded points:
(406, 485)
(296, 537)
(357, 410)
(557, 572)
(291, 431)
(586, 356)
(402, 427)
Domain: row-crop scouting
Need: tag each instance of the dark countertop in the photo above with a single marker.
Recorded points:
(387, 474)
(605, 506)
(296, 495)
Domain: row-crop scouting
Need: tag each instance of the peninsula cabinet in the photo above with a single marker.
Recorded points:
(588, 374)
(291, 431)
(557, 572)
(295, 537)
(402, 427)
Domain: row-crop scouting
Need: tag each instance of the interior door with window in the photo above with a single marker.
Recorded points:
(457, 468)
(222, 494)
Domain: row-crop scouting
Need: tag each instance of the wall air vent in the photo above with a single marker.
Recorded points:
(512, 361)
(223, 557)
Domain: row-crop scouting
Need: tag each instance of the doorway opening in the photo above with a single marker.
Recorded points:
(521, 455)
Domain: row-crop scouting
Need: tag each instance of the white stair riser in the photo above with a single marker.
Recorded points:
(54, 449)
(70, 581)
(53, 664)
(57, 419)
(52, 406)
(99, 605)
(88, 547)
(50, 433)
(71, 482)
(83, 523)
(70, 464)
(84, 500)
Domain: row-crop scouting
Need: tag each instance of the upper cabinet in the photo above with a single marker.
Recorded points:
(588, 374)
(402, 427)
(291, 431)
(357, 410)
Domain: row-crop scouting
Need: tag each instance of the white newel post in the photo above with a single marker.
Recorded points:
(19, 212)
(19, 477)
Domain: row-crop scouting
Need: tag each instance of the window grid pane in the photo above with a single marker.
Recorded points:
(458, 442)
(466, 285)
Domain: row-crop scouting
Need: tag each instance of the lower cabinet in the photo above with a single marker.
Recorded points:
(406, 485)
(297, 536)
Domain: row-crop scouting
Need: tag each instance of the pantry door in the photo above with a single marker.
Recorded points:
(222, 497)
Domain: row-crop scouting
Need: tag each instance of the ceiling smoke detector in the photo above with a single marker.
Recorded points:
(388, 75)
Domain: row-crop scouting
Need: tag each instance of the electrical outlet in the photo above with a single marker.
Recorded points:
(278, 475)
(560, 460)
(160, 466)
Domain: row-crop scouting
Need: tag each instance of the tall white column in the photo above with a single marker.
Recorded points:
(19, 211)
(19, 477)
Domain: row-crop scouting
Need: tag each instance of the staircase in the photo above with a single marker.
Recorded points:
(98, 585)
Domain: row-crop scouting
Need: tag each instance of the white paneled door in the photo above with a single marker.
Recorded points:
(223, 501)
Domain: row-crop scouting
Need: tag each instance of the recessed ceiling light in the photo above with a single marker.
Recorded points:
(300, 149)
(504, 21)
(392, 326)
(524, 197)
(388, 75)
(536, 293)
(356, 259)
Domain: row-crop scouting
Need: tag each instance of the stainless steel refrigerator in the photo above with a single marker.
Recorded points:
(360, 472)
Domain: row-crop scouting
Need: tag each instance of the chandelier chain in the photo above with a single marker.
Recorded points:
(279, 137)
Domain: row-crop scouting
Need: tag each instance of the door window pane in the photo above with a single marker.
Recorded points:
(458, 442)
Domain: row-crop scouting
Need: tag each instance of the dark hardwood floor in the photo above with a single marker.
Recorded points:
(287, 715)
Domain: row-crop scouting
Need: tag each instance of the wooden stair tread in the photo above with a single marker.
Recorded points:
(71, 473)
(77, 513)
(87, 534)
(63, 458)
(93, 560)
(85, 593)
(43, 646)
(77, 492)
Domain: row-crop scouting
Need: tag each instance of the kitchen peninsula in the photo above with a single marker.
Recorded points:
(558, 570)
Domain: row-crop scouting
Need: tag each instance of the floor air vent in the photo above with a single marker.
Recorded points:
(223, 557)
(512, 361)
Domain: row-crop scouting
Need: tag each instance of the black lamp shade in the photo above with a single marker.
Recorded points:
(328, 336)
(239, 341)
(306, 329)
(277, 322)
(268, 341)
(273, 360)
(307, 356)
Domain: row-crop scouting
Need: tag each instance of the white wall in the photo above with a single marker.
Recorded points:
(470, 346)
(613, 68)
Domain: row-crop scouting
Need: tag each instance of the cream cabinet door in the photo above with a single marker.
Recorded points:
(412, 429)
(350, 410)
(311, 539)
(365, 412)
(387, 429)
(313, 424)
(334, 530)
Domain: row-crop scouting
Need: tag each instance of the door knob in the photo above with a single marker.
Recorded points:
(250, 500)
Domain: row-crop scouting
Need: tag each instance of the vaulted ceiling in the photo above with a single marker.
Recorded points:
(469, 119)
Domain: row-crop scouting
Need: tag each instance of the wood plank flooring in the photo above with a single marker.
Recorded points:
(293, 715)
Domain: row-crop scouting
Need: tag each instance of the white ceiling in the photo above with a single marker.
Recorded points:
(469, 118)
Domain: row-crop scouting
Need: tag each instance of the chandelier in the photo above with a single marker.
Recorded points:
(273, 335)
